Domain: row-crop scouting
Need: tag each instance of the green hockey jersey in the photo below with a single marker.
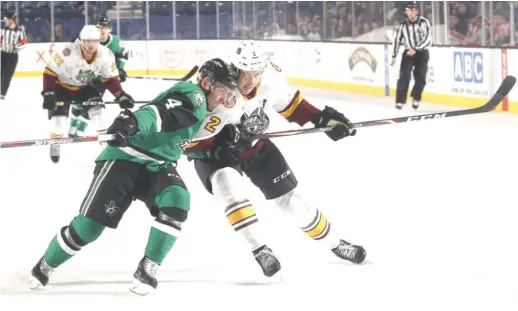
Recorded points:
(167, 125)
(114, 44)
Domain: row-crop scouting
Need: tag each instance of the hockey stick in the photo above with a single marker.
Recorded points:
(500, 94)
(184, 78)
(55, 141)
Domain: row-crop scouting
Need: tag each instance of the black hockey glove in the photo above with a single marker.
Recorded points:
(228, 146)
(125, 101)
(122, 75)
(124, 126)
(342, 127)
(49, 99)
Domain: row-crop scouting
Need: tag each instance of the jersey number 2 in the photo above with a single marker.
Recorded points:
(211, 126)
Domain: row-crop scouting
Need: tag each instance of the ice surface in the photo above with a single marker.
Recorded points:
(434, 203)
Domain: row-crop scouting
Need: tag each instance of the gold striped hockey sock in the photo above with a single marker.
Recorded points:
(242, 218)
(319, 227)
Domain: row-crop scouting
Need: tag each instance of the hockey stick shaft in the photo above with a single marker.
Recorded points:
(500, 94)
(55, 141)
(184, 78)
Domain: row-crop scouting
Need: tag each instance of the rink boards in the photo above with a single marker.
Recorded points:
(457, 76)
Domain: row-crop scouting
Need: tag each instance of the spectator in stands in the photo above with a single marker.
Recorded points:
(59, 35)
(503, 36)
(341, 29)
(458, 25)
(332, 23)
(313, 34)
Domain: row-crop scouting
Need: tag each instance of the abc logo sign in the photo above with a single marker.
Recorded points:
(468, 67)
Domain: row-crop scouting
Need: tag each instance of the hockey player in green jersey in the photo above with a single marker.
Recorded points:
(80, 115)
(140, 164)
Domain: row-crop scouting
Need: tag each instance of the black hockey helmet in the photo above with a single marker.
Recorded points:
(411, 5)
(104, 21)
(10, 15)
(219, 71)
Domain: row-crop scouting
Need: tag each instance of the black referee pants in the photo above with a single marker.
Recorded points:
(8, 66)
(418, 62)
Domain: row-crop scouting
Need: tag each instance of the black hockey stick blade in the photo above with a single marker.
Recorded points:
(504, 89)
(189, 75)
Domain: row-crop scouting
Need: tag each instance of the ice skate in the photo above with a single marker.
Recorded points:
(350, 252)
(55, 153)
(399, 106)
(415, 104)
(267, 260)
(40, 275)
(144, 280)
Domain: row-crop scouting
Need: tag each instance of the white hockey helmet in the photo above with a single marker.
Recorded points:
(90, 32)
(249, 56)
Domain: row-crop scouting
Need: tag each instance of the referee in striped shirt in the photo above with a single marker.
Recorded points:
(12, 39)
(415, 33)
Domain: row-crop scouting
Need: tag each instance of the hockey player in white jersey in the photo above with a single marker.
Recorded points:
(66, 78)
(266, 92)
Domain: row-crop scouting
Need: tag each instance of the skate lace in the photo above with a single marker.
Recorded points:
(346, 251)
(150, 267)
(266, 258)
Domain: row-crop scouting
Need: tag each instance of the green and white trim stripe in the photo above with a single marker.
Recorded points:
(95, 186)
(158, 119)
(139, 155)
(169, 229)
(66, 243)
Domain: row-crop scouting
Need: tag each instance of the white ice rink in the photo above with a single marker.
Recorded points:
(434, 203)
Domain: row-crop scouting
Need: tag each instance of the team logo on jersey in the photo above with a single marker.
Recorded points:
(362, 55)
(66, 52)
(84, 76)
(199, 98)
(255, 123)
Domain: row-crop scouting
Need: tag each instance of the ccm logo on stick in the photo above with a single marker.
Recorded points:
(430, 116)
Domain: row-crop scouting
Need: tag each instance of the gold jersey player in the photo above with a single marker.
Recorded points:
(266, 92)
(67, 77)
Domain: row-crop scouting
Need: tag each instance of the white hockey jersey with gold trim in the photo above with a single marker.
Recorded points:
(70, 66)
(273, 96)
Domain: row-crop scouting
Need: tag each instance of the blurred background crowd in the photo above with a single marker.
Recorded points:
(472, 23)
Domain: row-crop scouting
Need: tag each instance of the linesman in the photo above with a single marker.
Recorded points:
(414, 33)
(12, 39)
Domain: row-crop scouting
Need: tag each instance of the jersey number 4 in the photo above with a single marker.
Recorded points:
(171, 103)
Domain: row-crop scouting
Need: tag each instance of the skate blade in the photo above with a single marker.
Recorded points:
(140, 288)
(35, 284)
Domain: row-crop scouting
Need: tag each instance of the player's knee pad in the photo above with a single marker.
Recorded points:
(170, 220)
(58, 125)
(226, 185)
(86, 229)
(97, 115)
(292, 204)
(173, 214)
(174, 196)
